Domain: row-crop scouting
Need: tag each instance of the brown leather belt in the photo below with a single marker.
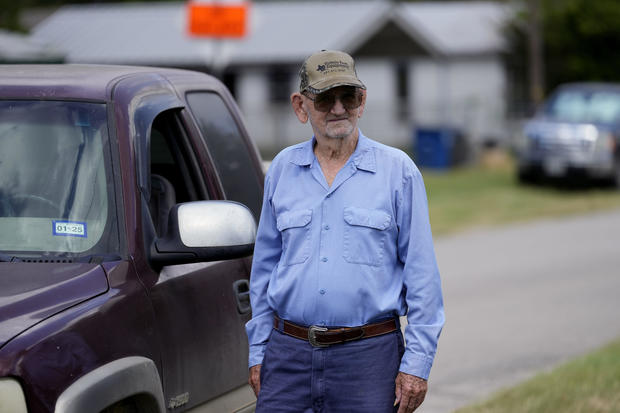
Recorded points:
(323, 337)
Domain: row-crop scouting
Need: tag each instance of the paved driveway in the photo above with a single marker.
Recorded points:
(522, 299)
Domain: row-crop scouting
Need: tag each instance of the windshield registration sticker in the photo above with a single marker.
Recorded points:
(69, 228)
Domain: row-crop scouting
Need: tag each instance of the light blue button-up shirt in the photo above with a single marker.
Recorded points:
(348, 254)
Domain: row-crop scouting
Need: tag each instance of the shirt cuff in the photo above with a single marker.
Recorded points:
(257, 353)
(416, 365)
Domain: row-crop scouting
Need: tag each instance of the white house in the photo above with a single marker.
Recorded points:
(425, 64)
(19, 48)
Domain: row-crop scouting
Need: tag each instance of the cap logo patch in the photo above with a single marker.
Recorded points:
(333, 66)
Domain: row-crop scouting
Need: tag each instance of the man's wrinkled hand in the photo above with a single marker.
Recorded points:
(254, 379)
(410, 392)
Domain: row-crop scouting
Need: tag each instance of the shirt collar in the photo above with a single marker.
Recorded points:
(363, 157)
(304, 154)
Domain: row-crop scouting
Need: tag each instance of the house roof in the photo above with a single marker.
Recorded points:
(19, 48)
(279, 32)
(458, 27)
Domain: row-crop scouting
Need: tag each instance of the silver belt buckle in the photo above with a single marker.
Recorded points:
(312, 330)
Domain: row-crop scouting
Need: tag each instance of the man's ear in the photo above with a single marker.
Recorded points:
(363, 105)
(298, 107)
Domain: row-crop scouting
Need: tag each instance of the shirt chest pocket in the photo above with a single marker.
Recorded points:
(295, 229)
(365, 235)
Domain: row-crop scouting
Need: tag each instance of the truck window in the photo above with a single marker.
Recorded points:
(55, 184)
(228, 149)
(174, 170)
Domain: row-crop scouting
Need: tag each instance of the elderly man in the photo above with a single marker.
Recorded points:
(343, 249)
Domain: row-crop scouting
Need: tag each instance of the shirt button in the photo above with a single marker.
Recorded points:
(324, 259)
(326, 227)
(322, 292)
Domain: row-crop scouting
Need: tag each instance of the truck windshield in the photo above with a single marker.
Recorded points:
(585, 106)
(54, 192)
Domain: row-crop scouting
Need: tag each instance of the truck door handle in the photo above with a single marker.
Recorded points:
(242, 296)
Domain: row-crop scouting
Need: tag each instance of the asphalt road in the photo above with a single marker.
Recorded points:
(523, 299)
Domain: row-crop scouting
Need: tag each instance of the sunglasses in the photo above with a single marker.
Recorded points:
(323, 102)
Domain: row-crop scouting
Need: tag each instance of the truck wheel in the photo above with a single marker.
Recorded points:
(140, 403)
(616, 177)
(527, 176)
(124, 406)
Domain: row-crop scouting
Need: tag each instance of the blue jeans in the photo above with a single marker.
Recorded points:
(357, 376)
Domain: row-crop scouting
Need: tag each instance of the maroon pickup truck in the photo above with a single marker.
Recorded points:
(128, 205)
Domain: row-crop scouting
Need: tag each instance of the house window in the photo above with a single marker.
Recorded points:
(402, 90)
(230, 81)
(280, 85)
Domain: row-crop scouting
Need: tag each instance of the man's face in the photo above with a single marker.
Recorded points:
(333, 114)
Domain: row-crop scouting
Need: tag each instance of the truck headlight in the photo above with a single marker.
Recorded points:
(12, 398)
(605, 142)
(520, 142)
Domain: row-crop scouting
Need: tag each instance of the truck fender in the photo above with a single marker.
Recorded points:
(112, 383)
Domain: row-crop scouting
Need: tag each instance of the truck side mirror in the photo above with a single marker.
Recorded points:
(205, 231)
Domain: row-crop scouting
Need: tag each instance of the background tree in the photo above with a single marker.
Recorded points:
(581, 42)
(9, 15)
(11, 10)
(582, 39)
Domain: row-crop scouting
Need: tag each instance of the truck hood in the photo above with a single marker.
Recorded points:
(546, 123)
(32, 292)
(542, 128)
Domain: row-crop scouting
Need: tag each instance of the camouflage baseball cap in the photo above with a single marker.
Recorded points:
(327, 69)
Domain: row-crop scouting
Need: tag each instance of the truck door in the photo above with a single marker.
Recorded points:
(201, 309)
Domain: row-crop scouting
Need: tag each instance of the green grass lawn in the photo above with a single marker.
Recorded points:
(489, 194)
(590, 384)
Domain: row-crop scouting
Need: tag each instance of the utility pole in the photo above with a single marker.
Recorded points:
(535, 49)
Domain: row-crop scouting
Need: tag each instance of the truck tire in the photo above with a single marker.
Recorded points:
(616, 177)
(124, 406)
(140, 403)
(527, 176)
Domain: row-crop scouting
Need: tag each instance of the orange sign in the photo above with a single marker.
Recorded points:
(217, 19)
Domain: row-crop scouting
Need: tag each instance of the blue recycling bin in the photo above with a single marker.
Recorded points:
(435, 147)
